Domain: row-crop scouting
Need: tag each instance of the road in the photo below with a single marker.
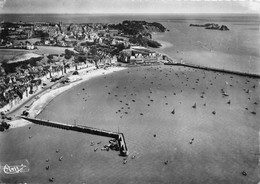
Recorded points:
(14, 111)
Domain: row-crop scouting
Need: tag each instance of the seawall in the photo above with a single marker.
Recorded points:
(216, 70)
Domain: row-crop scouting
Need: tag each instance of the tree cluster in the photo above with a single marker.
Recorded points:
(137, 27)
(143, 41)
(69, 53)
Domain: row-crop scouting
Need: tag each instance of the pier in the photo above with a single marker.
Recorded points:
(84, 129)
(215, 69)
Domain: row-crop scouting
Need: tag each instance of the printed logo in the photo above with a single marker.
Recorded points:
(15, 167)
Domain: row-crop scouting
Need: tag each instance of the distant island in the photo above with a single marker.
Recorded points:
(212, 26)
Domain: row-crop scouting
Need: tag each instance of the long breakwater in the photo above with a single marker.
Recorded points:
(215, 69)
(84, 129)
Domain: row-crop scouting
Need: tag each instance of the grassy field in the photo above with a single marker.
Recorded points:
(6, 54)
(50, 50)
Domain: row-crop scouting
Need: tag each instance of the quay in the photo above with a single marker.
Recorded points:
(84, 129)
(215, 69)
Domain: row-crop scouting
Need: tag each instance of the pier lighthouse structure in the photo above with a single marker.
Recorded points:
(122, 145)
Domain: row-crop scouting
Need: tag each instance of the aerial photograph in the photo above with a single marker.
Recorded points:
(130, 91)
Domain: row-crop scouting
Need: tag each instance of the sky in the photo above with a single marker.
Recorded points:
(129, 6)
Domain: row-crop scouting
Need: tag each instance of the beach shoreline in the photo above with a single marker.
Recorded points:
(164, 44)
(44, 99)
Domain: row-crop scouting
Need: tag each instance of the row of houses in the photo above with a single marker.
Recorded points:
(16, 87)
(137, 54)
(17, 44)
(14, 94)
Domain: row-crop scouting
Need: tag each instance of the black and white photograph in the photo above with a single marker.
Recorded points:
(130, 91)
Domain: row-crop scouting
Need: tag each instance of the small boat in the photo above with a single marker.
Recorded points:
(173, 111)
(225, 94)
(244, 173)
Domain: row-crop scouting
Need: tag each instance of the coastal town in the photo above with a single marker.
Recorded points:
(84, 45)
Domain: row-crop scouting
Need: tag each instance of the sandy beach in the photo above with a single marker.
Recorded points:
(44, 99)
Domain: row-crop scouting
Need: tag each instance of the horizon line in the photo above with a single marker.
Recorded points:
(110, 13)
